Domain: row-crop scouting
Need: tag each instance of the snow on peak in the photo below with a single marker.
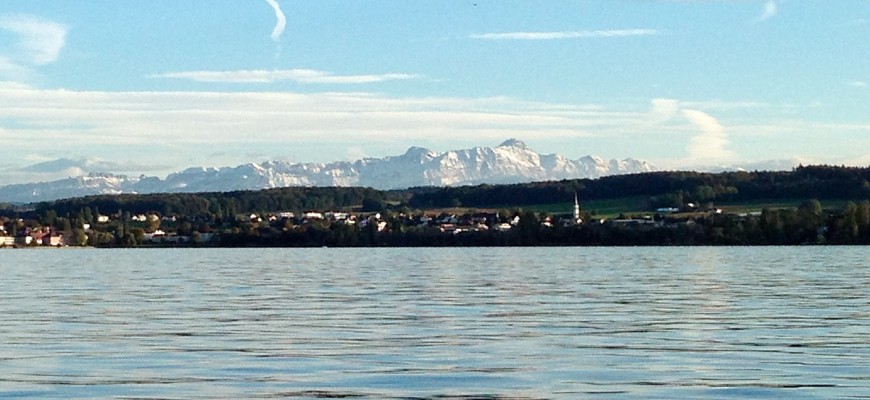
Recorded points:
(512, 142)
(510, 162)
(420, 153)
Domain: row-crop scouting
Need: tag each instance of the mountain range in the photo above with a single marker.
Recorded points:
(510, 162)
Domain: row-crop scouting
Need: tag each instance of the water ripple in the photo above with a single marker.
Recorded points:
(433, 324)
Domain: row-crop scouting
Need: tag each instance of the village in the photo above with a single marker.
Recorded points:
(153, 229)
(123, 229)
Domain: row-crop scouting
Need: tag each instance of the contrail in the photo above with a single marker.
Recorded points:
(282, 20)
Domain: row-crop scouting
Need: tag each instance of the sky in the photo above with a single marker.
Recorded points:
(152, 87)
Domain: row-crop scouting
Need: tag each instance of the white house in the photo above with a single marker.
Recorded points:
(313, 215)
(7, 241)
(504, 226)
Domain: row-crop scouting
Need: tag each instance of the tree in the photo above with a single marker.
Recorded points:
(138, 235)
(372, 204)
(49, 217)
(80, 238)
(66, 227)
(772, 226)
(812, 206)
(848, 231)
(152, 223)
(185, 229)
(528, 229)
(703, 192)
(87, 216)
(862, 215)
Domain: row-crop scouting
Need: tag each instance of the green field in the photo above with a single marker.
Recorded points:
(638, 205)
(602, 207)
(758, 205)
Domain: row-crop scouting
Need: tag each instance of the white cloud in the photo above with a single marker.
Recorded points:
(354, 153)
(663, 110)
(725, 105)
(771, 8)
(858, 84)
(307, 76)
(13, 72)
(180, 129)
(130, 119)
(50, 169)
(709, 145)
(564, 34)
(85, 164)
(10, 85)
(280, 20)
(40, 41)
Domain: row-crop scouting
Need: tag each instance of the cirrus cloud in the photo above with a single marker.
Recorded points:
(565, 34)
(306, 76)
(39, 40)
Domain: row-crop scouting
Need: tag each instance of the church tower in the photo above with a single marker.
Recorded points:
(576, 214)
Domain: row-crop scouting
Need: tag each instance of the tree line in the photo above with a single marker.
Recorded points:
(660, 188)
(663, 189)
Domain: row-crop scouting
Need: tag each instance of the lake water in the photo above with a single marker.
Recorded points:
(459, 323)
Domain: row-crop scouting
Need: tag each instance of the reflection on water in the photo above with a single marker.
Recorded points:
(527, 323)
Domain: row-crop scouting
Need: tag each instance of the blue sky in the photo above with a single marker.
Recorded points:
(157, 86)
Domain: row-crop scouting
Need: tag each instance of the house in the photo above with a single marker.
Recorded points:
(155, 236)
(176, 239)
(337, 216)
(448, 219)
(349, 221)
(7, 241)
(53, 239)
(503, 227)
(312, 215)
(23, 240)
(381, 225)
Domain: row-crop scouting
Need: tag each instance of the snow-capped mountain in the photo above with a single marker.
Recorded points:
(768, 165)
(510, 162)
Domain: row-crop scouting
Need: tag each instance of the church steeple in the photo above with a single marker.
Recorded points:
(577, 219)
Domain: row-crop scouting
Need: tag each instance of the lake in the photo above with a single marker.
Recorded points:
(436, 323)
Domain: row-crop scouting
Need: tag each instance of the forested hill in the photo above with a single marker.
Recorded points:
(664, 188)
(661, 189)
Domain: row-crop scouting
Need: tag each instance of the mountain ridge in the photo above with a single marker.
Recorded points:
(512, 161)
